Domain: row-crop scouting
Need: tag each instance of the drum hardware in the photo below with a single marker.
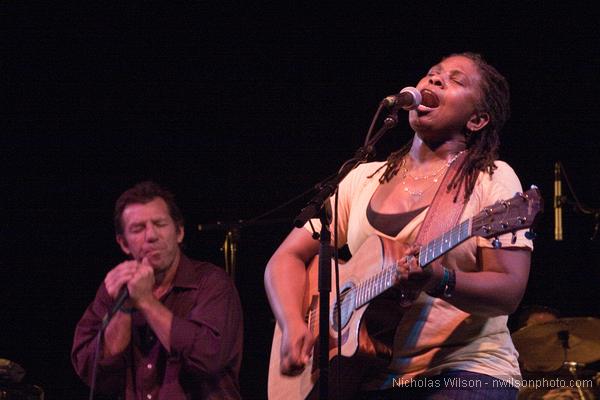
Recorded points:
(548, 346)
(11, 385)
(559, 349)
(572, 367)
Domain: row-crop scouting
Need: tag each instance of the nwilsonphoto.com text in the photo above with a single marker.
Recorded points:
(469, 383)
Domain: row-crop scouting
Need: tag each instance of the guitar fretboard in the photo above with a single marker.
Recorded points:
(385, 279)
(375, 285)
(445, 242)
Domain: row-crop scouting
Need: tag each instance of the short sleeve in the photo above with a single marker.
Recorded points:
(502, 185)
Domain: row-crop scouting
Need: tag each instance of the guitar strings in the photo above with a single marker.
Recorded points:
(382, 276)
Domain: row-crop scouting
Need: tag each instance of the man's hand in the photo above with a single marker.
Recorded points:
(119, 276)
(141, 283)
(137, 276)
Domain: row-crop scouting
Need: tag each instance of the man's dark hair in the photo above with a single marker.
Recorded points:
(142, 193)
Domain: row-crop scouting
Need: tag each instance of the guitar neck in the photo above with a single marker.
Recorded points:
(386, 278)
(444, 243)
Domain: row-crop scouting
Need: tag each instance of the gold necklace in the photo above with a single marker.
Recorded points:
(434, 175)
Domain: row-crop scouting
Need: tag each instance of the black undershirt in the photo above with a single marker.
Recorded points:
(391, 224)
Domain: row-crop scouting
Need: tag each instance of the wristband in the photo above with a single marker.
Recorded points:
(446, 285)
(449, 289)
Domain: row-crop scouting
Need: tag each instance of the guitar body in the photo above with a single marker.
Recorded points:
(367, 332)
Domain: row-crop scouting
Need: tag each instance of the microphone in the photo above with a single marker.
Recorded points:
(408, 98)
(558, 232)
(121, 298)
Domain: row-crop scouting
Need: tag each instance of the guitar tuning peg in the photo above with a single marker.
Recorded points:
(496, 243)
(513, 239)
(530, 234)
(522, 195)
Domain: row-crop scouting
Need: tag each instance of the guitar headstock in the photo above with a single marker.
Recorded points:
(516, 213)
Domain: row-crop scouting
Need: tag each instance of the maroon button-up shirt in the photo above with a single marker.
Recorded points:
(206, 342)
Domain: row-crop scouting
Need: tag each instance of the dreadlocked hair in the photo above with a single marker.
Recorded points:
(482, 145)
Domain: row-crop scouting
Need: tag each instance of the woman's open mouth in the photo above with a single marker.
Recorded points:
(429, 99)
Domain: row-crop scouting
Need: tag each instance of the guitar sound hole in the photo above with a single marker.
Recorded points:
(347, 308)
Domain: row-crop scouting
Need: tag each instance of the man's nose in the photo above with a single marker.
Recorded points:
(151, 233)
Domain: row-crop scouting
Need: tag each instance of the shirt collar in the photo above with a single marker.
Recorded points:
(186, 275)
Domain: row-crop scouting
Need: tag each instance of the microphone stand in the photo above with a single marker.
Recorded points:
(320, 207)
(121, 298)
(560, 200)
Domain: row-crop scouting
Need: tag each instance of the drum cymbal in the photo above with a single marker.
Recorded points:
(545, 346)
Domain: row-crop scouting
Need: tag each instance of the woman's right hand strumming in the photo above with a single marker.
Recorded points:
(296, 348)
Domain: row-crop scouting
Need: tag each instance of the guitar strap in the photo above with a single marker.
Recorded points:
(442, 215)
(444, 212)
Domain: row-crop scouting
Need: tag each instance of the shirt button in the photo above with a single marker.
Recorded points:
(148, 396)
(149, 366)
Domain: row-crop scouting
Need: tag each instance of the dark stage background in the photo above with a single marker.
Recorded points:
(238, 107)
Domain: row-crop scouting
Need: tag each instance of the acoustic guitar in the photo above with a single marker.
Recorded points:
(370, 301)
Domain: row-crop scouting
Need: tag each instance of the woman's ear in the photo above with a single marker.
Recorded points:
(478, 121)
